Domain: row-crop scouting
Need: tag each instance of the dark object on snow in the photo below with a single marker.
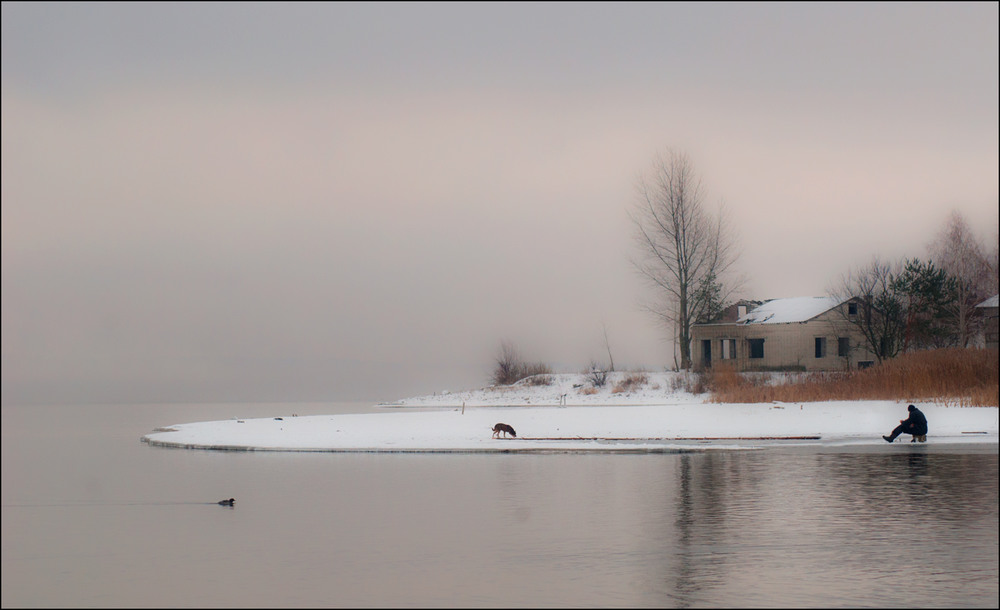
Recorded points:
(497, 429)
(915, 424)
(228, 502)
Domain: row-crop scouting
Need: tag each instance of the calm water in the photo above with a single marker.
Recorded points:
(94, 517)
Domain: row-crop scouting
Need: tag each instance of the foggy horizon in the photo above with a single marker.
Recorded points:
(335, 202)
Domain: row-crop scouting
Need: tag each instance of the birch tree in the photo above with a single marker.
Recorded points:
(958, 251)
(683, 246)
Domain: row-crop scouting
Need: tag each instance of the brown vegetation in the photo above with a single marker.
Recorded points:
(633, 381)
(510, 368)
(954, 376)
(538, 379)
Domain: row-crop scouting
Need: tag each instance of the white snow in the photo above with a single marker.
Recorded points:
(993, 301)
(784, 311)
(562, 416)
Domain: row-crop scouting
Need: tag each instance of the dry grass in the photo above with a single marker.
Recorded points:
(687, 382)
(537, 380)
(512, 372)
(954, 376)
(633, 381)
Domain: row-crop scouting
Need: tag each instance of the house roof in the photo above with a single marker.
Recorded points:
(990, 302)
(784, 311)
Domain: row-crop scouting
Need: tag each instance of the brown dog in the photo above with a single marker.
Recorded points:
(497, 429)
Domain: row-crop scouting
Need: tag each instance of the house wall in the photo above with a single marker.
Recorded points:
(785, 345)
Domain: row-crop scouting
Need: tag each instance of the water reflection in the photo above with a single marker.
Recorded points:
(700, 519)
(827, 529)
(92, 517)
(937, 486)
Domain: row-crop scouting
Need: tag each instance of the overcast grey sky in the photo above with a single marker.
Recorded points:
(282, 202)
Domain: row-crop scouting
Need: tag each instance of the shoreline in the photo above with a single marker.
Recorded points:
(664, 428)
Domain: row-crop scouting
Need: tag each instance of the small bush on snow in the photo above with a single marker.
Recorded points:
(630, 383)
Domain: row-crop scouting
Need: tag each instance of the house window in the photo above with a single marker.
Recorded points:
(843, 347)
(852, 309)
(821, 347)
(728, 349)
(864, 364)
(756, 348)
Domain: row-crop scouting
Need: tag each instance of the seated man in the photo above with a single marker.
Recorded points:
(915, 424)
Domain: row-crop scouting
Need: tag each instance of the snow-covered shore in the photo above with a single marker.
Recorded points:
(569, 414)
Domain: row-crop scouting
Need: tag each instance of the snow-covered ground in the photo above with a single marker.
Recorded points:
(570, 414)
(571, 389)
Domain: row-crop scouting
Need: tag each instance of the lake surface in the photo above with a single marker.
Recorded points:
(93, 517)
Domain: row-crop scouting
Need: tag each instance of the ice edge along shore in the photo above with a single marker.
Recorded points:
(680, 422)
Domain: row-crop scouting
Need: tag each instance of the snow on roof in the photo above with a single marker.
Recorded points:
(990, 302)
(784, 311)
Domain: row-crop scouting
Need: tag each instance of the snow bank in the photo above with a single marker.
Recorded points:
(564, 416)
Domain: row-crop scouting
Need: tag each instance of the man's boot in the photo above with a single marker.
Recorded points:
(887, 438)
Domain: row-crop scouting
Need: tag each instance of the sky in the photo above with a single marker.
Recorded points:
(330, 202)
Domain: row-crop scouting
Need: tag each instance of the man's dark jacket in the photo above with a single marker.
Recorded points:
(916, 423)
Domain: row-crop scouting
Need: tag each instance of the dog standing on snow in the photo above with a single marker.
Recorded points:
(497, 429)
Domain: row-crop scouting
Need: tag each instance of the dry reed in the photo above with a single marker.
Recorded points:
(633, 381)
(953, 376)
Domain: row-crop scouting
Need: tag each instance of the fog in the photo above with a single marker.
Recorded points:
(285, 202)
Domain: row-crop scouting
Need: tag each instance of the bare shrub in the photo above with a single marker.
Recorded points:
(589, 391)
(959, 376)
(535, 368)
(598, 375)
(701, 384)
(508, 365)
(510, 368)
(681, 382)
(631, 382)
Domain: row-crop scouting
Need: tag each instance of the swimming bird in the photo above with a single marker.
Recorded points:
(228, 502)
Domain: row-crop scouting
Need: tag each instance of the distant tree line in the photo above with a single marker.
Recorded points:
(918, 304)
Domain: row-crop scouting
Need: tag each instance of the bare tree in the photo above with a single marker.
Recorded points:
(879, 313)
(683, 246)
(961, 254)
(994, 261)
(607, 344)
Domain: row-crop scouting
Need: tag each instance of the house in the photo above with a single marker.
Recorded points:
(989, 313)
(801, 333)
